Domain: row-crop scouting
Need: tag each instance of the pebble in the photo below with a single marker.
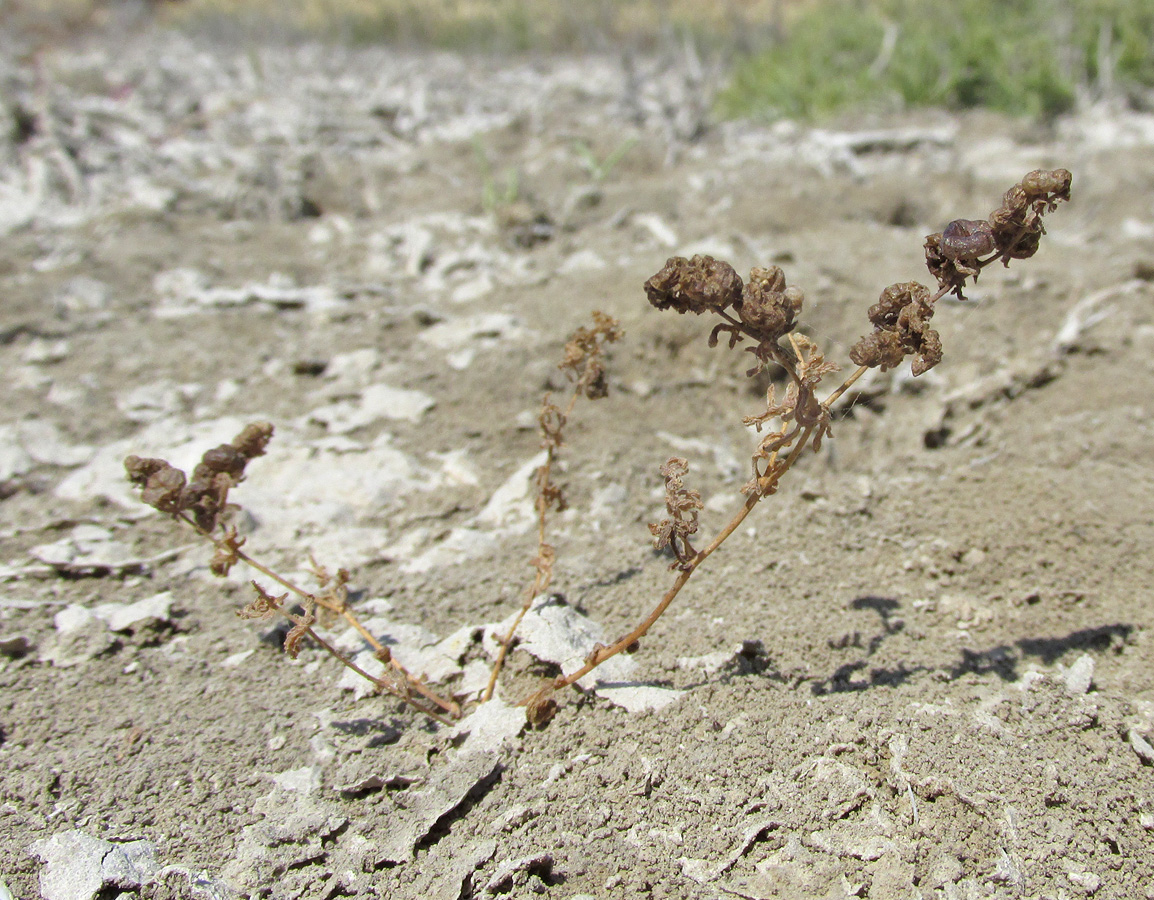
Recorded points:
(1141, 747)
(1080, 675)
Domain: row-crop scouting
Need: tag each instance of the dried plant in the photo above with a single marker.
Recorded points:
(202, 504)
(584, 363)
(762, 310)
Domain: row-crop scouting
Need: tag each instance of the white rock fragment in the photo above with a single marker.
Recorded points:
(502, 880)
(78, 867)
(586, 260)
(657, 226)
(156, 400)
(462, 544)
(305, 780)
(72, 619)
(41, 352)
(14, 646)
(14, 459)
(509, 511)
(1141, 746)
(511, 505)
(555, 632)
(856, 841)
(183, 292)
(513, 817)
(82, 295)
(705, 872)
(639, 697)
(295, 829)
(124, 616)
(1006, 869)
(474, 680)
(45, 444)
(353, 368)
(457, 468)
(485, 330)
(88, 548)
(489, 727)
(376, 402)
(235, 659)
(36, 441)
(1080, 675)
(710, 663)
(1087, 882)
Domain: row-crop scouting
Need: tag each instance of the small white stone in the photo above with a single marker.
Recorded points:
(1080, 675)
(72, 618)
(1087, 881)
(1141, 747)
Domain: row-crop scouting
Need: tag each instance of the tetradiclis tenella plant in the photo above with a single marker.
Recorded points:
(201, 503)
(764, 311)
(761, 312)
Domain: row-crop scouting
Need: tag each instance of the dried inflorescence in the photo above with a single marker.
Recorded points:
(204, 497)
(683, 505)
(584, 362)
(1013, 231)
(697, 285)
(768, 308)
(959, 252)
(202, 502)
(584, 359)
(800, 413)
(900, 319)
(763, 308)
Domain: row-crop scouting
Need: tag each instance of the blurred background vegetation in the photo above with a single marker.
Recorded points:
(784, 58)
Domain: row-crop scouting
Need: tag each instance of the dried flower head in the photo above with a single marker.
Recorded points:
(683, 505)
(263, 606)
(1013, 231)
(162, 483)
(205, 495)
(768, 308)
(695, 285)
(584, 358)
(1016, 225)
(540, 708)
(900, 319)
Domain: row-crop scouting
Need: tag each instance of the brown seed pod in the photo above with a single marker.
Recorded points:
(694, 285)
(967, 239)
(768, 307)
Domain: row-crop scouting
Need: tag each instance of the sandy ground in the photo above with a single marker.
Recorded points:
(924, 669)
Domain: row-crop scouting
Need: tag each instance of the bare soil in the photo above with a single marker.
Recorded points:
(924, 669)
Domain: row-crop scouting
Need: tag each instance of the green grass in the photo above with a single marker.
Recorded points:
(1019, 56)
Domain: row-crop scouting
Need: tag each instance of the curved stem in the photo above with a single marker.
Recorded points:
(599, 656)
(542, 578)
(415, 684)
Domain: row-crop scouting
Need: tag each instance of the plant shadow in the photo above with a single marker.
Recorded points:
(1003, 660)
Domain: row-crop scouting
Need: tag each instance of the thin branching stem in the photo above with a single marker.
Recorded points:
(544, 572)
(411, 682)
(599, 656)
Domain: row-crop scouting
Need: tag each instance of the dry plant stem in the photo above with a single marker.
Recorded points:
(599, 656)
(765, 485)
(411, 683)
(542, 578)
